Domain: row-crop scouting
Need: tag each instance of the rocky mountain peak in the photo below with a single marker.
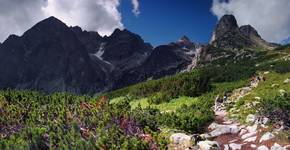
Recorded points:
(50, 22)
(228, 35)
(91, 40)
(226, 23)
(248, 30)
(184, 40)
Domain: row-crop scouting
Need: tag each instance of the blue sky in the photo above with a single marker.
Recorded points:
(160, 24)
(160, 21)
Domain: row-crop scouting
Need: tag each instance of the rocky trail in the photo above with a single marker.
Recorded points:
(229, 134)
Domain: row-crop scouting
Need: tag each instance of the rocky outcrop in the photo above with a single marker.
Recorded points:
(48, 57)
(164, 60)
(208, 145)
(52, 57)
(180, 140)
(91, 40)
(228, 35)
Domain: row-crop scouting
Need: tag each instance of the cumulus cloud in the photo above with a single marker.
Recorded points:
(93, 15)
(16, 16)
(271, 17)
(135, 10)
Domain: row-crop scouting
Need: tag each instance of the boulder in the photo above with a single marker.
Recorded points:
(265, 120)
(252, 128)
(234, 146)
(243, 131)
(267, 136)
(253, 146)
(181, 139)
(195, 138)
(223, 129)
(213, 126)
(208, 145)
(245, 136)
(251, 139)
(226, 147)
(277, 147)
(286, 81)
(251, 118)
(263, 147)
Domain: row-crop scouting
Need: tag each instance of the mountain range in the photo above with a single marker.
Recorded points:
(53, 57)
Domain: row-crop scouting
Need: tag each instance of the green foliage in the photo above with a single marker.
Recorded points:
(31, 120)
(190, 118)
(280, 66)
(162, 90)
(277, 108)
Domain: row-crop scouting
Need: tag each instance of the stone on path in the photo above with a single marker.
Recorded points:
(223, 129)
(245, 136)
(253, 146)
(208, 145)
(181, 139)
(243, 131)
(263, 147)
(277, 147)
(267, 136)
(252, 128)
(251, 139)
(251, 118)
(226, 147)
(235, 146)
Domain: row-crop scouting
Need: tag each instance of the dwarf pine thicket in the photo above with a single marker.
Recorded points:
(32, 120)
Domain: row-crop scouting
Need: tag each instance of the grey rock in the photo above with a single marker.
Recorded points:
(208, 145)
(263, 147)
(267, 136)
(228, 35)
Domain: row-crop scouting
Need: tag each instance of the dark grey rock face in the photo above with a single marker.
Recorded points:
(249, 31)
(125, 49)
(91, 40)
(227, 23)
(228, 35)
(164, 60)
(50, 58)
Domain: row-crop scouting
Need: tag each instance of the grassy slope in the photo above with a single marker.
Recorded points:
(266, 90)
(237, 70)
(67, 113)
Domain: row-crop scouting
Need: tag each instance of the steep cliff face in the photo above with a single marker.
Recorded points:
(48, 57)
(228, 35)
(164, 60)
(52, 57)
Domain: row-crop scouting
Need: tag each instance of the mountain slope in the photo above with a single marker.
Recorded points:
(164, 60)
(50, 58)
(228, 35)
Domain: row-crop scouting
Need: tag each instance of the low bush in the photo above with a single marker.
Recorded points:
(277, 109)
(186, 84)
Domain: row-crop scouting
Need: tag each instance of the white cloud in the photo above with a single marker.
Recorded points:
(16, 16)
(97, 15)
(270, 17)
(135, 10)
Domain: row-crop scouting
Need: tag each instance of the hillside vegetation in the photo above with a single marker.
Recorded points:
(140, 116)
